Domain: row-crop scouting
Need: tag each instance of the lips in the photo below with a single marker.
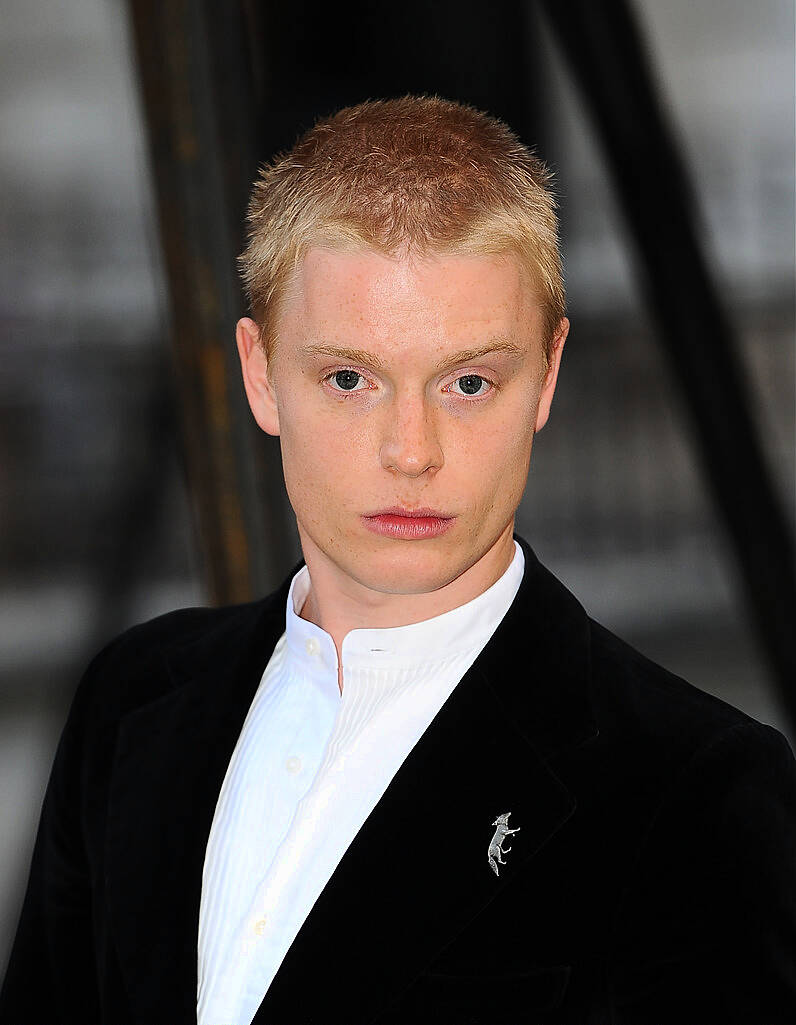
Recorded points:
(397, 510)
(408, 524)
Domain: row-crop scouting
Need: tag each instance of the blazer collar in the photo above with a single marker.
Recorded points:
(417, 871)
(538, 662)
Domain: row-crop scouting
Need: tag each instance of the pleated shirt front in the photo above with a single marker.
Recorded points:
(309, 767)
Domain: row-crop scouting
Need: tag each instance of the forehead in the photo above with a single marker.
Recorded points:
(358, 290)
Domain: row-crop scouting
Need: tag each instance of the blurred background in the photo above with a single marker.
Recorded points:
(133, 480)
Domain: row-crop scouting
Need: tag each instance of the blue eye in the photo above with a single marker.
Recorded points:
(471, 384)
(346, 380)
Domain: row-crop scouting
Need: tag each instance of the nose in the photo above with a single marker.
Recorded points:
(410, 443)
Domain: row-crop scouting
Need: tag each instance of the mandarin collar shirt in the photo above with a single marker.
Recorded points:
(309, 766)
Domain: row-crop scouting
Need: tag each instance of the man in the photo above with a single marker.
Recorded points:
(417, 783)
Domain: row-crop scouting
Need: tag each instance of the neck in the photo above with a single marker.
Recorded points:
(337, 603)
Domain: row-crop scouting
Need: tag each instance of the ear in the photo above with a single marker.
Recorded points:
(549, 383)
(259, 390)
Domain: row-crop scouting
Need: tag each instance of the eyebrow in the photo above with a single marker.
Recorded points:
(498, 345)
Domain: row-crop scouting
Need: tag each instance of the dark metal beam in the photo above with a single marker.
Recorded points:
(193, 67)
(606, 55)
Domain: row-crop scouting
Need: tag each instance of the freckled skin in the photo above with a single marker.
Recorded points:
(407, 435)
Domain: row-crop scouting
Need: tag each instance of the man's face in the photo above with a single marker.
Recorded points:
(403, 421)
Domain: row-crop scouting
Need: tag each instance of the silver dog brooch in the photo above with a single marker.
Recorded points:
(496, 852)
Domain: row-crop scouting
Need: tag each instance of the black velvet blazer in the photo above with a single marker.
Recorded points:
(653, 879)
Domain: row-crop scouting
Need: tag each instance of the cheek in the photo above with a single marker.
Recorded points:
(322, 465)
(314, 441)
(495, 447)
(493, 463)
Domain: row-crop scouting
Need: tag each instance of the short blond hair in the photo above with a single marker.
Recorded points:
(414, 175)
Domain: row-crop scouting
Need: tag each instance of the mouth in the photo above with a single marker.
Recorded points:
(408, 524)
(398, 510)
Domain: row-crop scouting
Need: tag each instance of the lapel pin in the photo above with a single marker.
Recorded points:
(496, 851)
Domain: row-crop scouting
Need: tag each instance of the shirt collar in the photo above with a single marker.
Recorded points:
(431, 640)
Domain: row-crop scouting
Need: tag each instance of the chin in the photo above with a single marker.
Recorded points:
(414, 567)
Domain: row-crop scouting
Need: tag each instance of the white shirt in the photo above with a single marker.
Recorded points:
(309, 767)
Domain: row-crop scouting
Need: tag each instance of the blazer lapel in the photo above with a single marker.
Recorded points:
(170, 761)
(417, 872)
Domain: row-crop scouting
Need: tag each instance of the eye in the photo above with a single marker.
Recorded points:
(471, 385)
(346, 380)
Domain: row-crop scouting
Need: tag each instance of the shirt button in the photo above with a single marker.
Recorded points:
(312, 646)
(293, 764)
(259, 927)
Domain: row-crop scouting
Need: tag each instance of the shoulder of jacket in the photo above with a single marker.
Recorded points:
(178, 628)
(133, 668)
(663, 716)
